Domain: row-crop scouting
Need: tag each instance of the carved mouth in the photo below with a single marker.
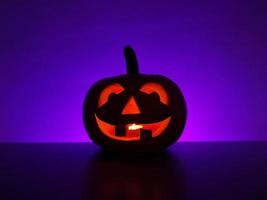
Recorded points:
(133, 132)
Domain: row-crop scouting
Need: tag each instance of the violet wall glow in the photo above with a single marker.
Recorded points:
(51, 52)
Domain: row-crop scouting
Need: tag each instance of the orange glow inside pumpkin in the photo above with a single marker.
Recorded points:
(133, 130)
(131, 107)
(155, 87)
(114, 88)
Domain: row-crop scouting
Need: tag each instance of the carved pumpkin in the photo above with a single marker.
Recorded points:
(134, 112)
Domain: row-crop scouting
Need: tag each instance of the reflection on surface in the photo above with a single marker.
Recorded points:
(216, 171)
(120, 177)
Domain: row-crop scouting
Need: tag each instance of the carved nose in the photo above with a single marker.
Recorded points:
(131, 107)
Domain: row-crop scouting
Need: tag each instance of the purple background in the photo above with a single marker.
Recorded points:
(51, 52)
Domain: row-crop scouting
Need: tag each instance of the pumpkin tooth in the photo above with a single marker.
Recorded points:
(120, 130)
(145, 135)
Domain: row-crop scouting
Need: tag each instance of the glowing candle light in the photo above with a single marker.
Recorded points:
(134, 127)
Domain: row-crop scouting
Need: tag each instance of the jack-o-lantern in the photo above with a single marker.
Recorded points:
(134, 112)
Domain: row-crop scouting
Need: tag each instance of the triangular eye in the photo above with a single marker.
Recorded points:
(114, 88)
(156, 87)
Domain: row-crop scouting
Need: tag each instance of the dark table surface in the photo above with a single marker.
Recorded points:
(188, 170)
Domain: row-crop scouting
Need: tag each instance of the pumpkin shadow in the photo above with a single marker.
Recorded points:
(118, 177)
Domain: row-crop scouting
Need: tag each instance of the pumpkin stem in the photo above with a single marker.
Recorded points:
(131, 60)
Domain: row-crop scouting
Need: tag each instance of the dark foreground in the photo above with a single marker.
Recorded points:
(215, 170)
